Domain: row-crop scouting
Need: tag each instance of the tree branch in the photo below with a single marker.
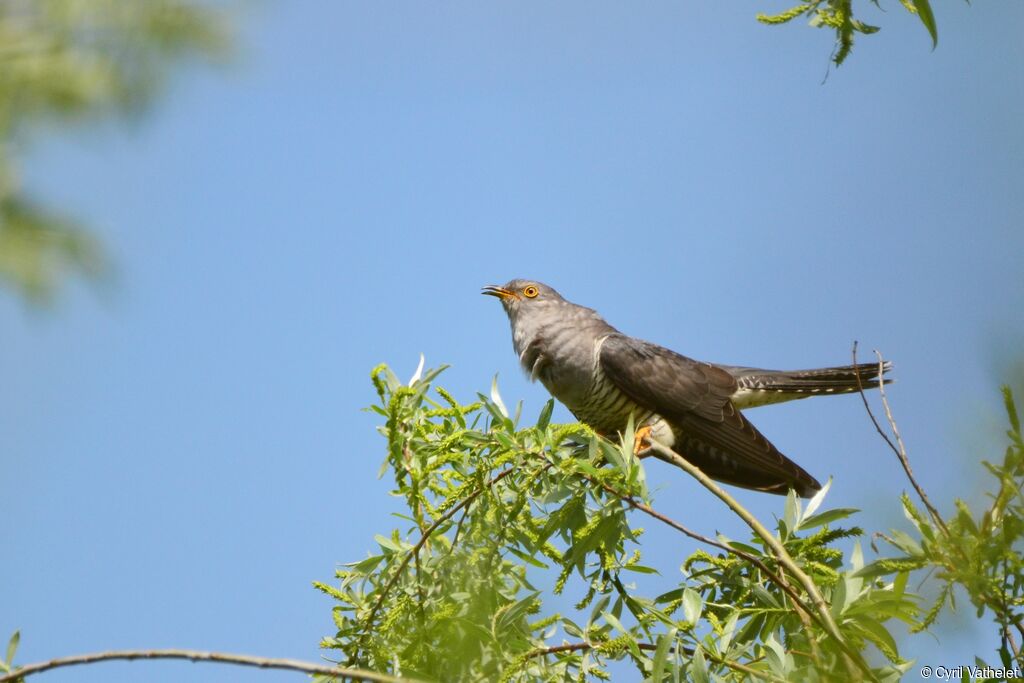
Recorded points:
(805, 612)
(200, 656)
(901, 450)
(666, 454)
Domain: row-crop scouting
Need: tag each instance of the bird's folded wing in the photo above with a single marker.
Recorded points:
(695, 398)
(664, 381)
(734, 451)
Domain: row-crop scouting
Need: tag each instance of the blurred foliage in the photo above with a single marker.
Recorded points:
(69, 61)
(838, 16)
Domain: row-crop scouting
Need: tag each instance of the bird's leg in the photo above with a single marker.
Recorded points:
(641, 442)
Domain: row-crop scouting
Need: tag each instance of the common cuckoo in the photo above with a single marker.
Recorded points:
(604, 376)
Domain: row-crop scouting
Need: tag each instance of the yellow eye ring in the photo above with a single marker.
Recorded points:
(530, 291)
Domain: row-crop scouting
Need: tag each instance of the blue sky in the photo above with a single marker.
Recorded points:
(182, 453)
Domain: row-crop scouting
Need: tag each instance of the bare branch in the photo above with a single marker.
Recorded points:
(200, 656)
(898, 448)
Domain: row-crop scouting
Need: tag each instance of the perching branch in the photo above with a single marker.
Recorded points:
(199, 656)
(666, 454)
(805, 612)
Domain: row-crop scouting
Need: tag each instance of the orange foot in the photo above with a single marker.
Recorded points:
(640, 441)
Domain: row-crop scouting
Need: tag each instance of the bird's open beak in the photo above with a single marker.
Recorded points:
(500, 292)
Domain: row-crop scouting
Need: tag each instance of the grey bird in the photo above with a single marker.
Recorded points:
(604, 376)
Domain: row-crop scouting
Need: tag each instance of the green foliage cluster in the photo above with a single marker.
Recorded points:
(66, 61)
(502, 518)
(983, 554)
(838, 16)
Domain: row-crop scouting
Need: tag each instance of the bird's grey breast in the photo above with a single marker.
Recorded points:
(557, 345)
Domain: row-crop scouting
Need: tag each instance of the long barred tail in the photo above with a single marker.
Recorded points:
(756, 387)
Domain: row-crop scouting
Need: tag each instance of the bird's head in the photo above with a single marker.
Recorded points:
(522, 298)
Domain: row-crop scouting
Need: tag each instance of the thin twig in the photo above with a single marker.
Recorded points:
(458, 528)
(898, 448)
(742, 554)
(199, 656)
(414, 552)
(419, 592)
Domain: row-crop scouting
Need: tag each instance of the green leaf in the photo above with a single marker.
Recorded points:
(429, 376)
(880, 636)
(661, 654)
(792, 511)
(572, 628)
(889, 565)
(496, 397)
(366, 566)
(419, 371)
(1011, 409)
(838, 599)
(826, 517)
(904, 542)
(613, 455)
(628, 439)
(924, 12)
(615, 623)
(12, 647)
(899, 585)
(699, 667)
(856, 557)
(599, 606)
(776, 655)
(693, 605)
(387, 543)
(527, 558)
(764, 596)
(545, 415)
(392, 380)
(739, 545)
(814, 503)
(727, 631)
(512, 614)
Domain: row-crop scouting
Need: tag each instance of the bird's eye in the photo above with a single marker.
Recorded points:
(530, 291)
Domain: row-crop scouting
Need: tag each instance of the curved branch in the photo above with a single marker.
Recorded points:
(668, 455)
(805, 612)
(742, 554)
(200, 656)
(898, 448)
